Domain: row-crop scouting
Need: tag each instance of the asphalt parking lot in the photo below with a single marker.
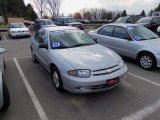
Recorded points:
(33, 96)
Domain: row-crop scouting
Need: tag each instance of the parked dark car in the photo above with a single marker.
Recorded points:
(41, 23)
(151, 23)
(68, 21)
(129, 19)
(84, 21)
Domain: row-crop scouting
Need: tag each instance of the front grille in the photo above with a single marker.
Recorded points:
(104, 86)
(106, 71)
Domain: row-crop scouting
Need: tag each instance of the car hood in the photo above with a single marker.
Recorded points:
(19, 29)
(52, 25)
(91, 57)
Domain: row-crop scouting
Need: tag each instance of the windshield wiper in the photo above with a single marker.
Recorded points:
(154, 37)
(61, 47)
(81, 44)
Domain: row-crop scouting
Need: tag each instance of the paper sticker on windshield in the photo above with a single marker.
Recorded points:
(130, 28)
(57, 32)
(56, 44)
(137, 37)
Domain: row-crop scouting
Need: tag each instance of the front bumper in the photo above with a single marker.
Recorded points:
(93, 83)
(22, 34)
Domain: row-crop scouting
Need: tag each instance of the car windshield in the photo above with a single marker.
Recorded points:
(144, 20)
(18, 25)
(140, 33)
(63, 39)
(122, 19)
(69, 20)
(47, 22)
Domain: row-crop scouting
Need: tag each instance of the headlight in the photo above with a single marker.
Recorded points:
(27, 31)
(121, 64)
(80, 73)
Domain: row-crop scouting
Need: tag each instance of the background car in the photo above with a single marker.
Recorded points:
(151, 23)
(129, 19)
(68, 21)
(75, 61)
(41, 23)
(18, 30)
(158, 31)
(130, 40)
(4, 93)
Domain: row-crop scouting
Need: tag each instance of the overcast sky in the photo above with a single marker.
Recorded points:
(131, 6)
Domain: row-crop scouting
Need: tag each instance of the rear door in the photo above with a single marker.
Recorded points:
(104, 35)
(44, 52)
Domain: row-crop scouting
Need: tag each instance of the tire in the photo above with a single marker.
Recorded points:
(6, 97)
(57, 81)
(34, 59)
(147, 61)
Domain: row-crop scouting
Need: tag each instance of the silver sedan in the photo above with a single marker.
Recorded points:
(130, 40)
(4, 93)
(76, 62)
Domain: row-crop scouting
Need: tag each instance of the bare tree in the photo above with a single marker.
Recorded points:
(40, 6)
(54, 7)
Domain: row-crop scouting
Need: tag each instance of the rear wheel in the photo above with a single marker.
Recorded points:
(147, 61)
(57, 81)
(6, 97)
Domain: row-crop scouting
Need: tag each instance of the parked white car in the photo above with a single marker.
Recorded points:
(4, 93)
(76, 62)
(18, 30)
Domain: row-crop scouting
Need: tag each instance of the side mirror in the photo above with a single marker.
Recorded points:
(43, 46)
(2, 50)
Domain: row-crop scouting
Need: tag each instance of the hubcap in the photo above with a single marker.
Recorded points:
(146, 61)
(56, 79)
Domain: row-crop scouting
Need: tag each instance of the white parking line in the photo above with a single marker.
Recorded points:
(4, 37)
(19, 58)
(146, 111)
(36, 103)
(143, 113)
(144, 79)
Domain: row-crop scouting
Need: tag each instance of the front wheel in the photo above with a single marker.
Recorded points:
(147, 61)
(57, 81)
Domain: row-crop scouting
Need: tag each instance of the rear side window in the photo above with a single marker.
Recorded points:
(107, 31)
(120, 32)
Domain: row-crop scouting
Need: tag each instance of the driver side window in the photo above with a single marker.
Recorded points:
(121, 33)
(38, 36)
(44, 37)
(106, 31)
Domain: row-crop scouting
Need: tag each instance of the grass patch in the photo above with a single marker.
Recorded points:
(3, 24)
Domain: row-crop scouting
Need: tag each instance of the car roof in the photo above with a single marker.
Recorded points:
(150, 17)
(57, 28)
(17, 23)
(122, 24)
(42, 19)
